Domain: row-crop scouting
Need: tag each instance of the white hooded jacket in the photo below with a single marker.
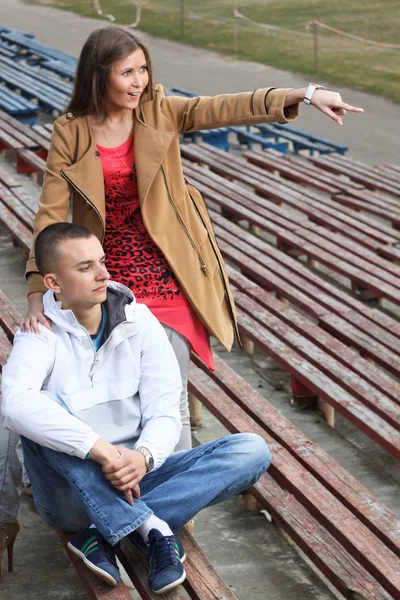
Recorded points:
(127, 393)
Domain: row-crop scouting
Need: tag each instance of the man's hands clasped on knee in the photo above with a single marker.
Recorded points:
(127, 471)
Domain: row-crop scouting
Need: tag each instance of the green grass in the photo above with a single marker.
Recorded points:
(341, 60)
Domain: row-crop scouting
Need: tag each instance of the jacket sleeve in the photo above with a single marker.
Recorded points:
(159, 390)
(54, 200)
(246, 108)
(33, 413)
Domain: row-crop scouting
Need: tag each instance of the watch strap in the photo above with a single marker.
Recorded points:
(147, 456)
(310, 91)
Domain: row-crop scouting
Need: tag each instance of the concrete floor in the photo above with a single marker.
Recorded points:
(253, 558)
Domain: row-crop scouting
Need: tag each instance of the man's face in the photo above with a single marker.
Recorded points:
(80, 280)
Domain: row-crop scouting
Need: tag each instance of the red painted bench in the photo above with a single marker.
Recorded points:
(307, 494)
(369, 274)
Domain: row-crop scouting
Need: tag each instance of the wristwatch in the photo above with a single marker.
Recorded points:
(148, 458)
(310, 91)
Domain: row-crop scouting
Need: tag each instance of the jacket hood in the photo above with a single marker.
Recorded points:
(120, 304)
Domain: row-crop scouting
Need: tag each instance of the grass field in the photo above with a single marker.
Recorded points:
(342, 60)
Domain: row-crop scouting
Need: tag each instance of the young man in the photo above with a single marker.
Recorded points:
(96, 401)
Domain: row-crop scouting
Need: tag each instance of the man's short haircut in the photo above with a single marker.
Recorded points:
(48, 241)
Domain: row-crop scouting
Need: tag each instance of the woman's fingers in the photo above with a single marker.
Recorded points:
(332, 114)
(332, 105)
(31, 324)
(34, 325)
(45, 322)
(351, 108)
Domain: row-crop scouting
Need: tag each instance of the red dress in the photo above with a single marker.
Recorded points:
(132, 258)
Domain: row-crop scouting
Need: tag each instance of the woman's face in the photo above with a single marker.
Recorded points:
(128, 79)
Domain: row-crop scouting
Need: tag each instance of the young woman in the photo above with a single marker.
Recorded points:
(116, 155)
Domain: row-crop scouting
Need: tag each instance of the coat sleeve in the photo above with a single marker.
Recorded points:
(54, 200)
(246, 108)
(29, 411)
(159, 390)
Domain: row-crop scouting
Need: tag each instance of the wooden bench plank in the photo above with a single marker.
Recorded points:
(336, 519)
(18, 231)
(242, 168)
(362, 332)
(359, 272)
(32, 159)
(316, 211)
(289, 171)
(323, 387)
(365, 170)
(337, 480)
(39, 140)
(7, 179)
(372, 183)
(314, 352)
(369, 371)
(300, 278)
(285, 191)
(9, 141)
(17, 207)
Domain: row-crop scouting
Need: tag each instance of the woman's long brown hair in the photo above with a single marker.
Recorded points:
(103, 48)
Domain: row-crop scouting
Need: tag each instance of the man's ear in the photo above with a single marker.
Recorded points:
(51, 282)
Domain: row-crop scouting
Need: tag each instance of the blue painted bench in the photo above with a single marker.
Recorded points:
(339, 148)
(46, 77)
(17, 106)
(245, 136)
(29, 45)
(64, 69)
(48, 97)
(298, 141)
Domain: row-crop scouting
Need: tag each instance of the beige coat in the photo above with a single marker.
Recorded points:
(174, 212)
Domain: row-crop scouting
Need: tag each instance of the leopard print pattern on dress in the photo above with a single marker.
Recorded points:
(132, 258)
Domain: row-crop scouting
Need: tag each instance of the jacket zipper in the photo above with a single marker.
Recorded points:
(219, 265)
(178, 216)
(86, 199)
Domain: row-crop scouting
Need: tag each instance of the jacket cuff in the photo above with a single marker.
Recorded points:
(86, 445)
(35, 283)
(275, 106)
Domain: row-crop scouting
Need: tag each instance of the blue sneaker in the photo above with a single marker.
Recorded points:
(97, 554)
(137, 540)
(166, 555)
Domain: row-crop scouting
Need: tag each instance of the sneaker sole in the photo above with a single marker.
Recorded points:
(96, 570)
(172, 585)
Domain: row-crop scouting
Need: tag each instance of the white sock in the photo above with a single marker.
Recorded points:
(153, 522)
(92, 526)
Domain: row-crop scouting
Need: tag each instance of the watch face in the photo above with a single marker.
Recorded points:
(150, 462)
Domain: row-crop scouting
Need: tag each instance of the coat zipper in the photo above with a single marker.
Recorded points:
(86, 199)
(178, 216)
(219, 265)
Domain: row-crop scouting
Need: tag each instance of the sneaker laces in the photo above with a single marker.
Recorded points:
(163, 552)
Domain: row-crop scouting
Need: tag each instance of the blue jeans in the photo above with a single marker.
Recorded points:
(70, 493)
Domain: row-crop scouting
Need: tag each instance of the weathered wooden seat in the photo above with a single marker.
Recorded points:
(50, 98)
(366, 270)
(313, 504)
(317, 205)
